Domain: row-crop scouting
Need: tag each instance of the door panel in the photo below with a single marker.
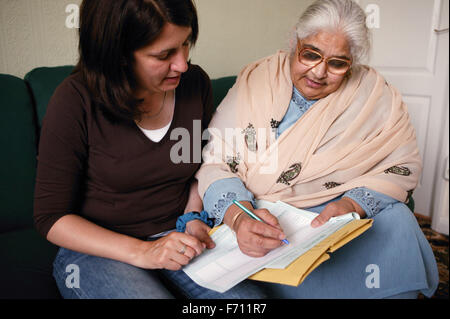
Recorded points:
(413, 57)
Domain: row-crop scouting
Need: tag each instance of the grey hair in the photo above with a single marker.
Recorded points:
(344, 16)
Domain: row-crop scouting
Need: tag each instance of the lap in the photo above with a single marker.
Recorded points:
(394, 249)
(247, 289)
(81, 276)
(391, 258)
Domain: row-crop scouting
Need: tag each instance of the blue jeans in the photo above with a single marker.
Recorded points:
(395, 244)
(102, 278)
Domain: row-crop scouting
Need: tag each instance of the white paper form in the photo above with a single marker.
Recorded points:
(296, 224)
(225, 266)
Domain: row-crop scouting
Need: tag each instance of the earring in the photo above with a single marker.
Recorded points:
(349, 73)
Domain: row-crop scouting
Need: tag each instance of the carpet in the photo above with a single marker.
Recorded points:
(439, 244)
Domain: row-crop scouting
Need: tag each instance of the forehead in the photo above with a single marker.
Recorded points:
(329, 44)
(171, 37)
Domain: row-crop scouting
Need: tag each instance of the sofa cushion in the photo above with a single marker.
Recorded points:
(26, 266)
(18, 160)
(43, 82)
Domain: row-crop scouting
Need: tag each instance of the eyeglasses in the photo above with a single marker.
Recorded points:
(335, 65)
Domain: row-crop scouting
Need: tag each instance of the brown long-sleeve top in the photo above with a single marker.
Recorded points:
(111, 173)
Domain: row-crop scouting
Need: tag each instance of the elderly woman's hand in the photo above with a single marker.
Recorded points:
(341, 207)
(255, 238)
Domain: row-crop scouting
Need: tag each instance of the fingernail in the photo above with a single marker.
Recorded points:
(315, 223)
(282, 236)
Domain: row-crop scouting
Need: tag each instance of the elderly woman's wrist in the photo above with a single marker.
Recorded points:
(234, 213)
(356, 207)
(234, 221)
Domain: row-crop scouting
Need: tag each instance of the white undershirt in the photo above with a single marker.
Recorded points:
(157, 135)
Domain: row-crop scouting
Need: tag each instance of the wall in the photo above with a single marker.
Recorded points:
(233, 33)
(33, 33)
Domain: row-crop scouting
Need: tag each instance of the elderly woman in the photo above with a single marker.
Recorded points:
(321, 131)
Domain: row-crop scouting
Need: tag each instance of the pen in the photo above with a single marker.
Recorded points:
(249, 213)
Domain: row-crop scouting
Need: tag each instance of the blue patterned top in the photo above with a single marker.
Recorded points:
(219, 195)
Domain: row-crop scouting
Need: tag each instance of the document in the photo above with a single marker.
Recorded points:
(225, 266)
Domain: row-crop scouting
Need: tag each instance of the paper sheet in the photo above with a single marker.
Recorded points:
(225, 266)
(297, 271)
(296, 225)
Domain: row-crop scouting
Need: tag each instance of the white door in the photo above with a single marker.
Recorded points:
(411, 50)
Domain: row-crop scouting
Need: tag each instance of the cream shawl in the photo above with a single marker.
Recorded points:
(358, 136)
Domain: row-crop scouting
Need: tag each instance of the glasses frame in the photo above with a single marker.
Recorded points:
(301, 50)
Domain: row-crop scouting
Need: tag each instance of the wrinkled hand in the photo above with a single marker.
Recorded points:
(255, 238)
(338, 208)
(200, 230)
(169, 252)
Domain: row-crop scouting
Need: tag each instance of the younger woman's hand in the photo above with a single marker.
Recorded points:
(200, 230)
(169, 252)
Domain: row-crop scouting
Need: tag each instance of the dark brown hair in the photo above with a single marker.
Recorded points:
(110, 32)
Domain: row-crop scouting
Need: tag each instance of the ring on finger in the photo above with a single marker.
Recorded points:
(182, 250)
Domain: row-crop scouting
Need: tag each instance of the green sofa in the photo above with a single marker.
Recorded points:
(26, 257)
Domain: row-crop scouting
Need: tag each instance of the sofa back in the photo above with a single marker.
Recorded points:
(18, 154)
(42, 83)
(23, 104)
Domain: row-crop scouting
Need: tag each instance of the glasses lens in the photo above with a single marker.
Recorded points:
(338, 66)
(310, 57)
(335, 65)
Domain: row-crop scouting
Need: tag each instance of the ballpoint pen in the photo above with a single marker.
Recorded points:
(252, 215)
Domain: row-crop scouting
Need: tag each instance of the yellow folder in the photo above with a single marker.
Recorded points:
(298, 270)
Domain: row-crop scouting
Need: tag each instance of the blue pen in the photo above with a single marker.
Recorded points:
(249, 213)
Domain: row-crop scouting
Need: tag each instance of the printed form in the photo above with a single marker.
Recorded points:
(225, 266)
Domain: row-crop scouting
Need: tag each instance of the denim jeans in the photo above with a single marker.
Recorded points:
(102, 278)
(395, 244)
